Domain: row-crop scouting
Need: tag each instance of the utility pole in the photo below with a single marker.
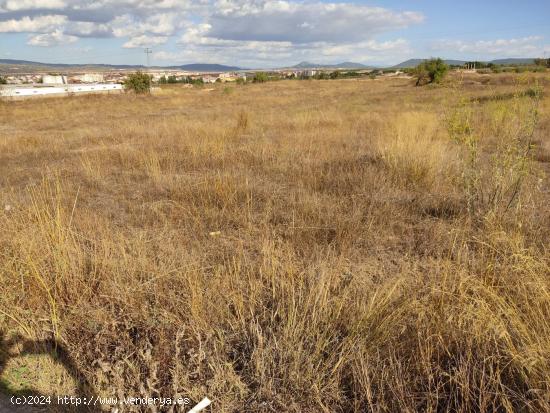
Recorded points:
(148, 52)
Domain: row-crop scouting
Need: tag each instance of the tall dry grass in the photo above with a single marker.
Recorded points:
(294, 246)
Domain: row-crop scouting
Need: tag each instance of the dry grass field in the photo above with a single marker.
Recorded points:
(294, 246)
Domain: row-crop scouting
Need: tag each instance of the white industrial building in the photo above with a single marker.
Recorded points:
(90, 78)
(64, 90)
(54, 80)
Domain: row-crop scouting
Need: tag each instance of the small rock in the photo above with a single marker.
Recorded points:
(7, 208)
(215, 233)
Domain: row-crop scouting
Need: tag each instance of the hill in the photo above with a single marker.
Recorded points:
(206, 67)
(13, 64)
(514, 61)
(416, 62)
(64, 65)
(343, 65)
(451, 62)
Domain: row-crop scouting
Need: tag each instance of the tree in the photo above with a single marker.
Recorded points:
(430, 71)
(542, 62)
(322, 76)
(3, 80)
(260, 77)
(172, 79)
(163, 80)
(139, 83)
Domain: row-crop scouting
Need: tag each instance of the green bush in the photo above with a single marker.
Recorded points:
(3, 80)
(542, 62)
(260, 77)
(139, 83)
(430, 71)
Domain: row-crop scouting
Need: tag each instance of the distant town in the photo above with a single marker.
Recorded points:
(163, 76)
(22, 79)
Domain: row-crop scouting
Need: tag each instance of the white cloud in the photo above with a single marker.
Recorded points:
(301, 22)
(15, 5)
(370, 46)
(250, 32)
(164, 24)
(253, 53)
(200, 43)
(55, 38)
(145, 41)
(32, 25)
(88, 29)
(519, 47)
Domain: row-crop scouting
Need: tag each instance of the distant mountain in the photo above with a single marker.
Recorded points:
(304, 65)
(40, 64)
(511, 61)
(195, 67)
(408, 63)
(343, 65)
(351, 65)
(206, 67)
(416, 62)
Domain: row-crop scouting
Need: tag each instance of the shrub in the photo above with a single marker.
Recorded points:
(495, 186)
(139, 83)
(260, 77)
(3, 80)
(431, 71)
(542, 62)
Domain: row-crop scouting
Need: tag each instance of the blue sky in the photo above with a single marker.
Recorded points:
(271, 33)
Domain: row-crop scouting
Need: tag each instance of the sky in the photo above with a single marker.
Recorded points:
(271, 33)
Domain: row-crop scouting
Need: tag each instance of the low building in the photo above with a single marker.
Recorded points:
(54, 80)
(89, 78)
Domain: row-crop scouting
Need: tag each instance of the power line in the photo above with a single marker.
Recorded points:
(148, 52)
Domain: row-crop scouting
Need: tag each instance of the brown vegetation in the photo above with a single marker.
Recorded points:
(316, 246)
